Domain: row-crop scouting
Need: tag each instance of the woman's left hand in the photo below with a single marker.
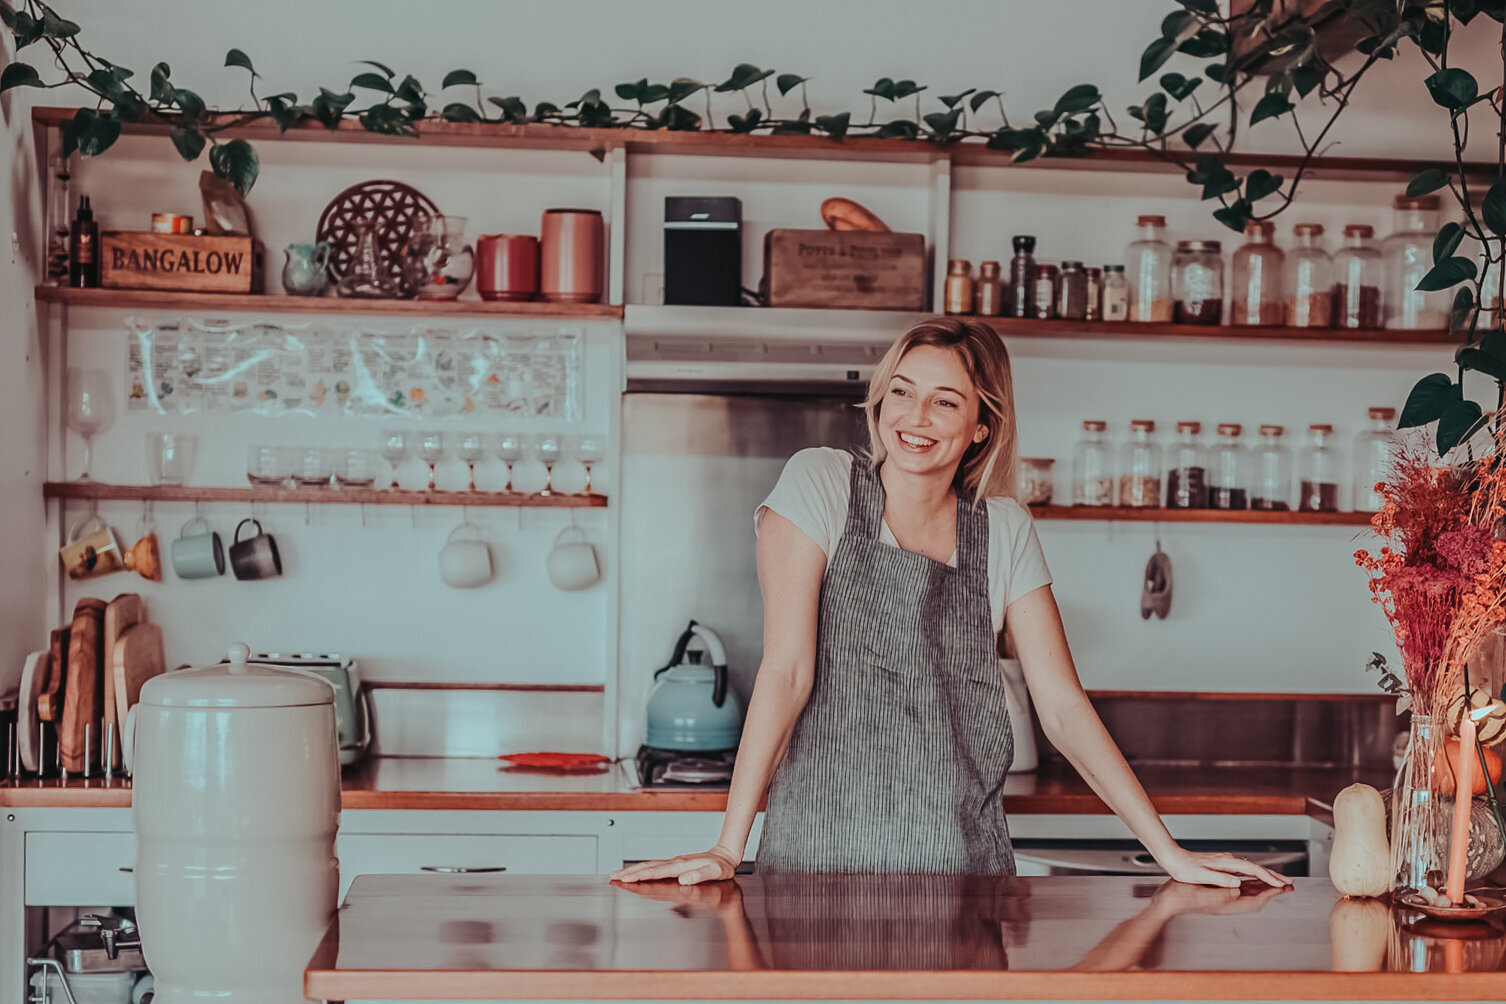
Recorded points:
(1227, 870)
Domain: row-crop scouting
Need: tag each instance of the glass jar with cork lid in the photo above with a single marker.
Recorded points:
(1409, 256)
(1359, 276)
(1147, 267)
(1092, 466)
(1309, 280)
(988, 290)
(1197, 282)
(958, 295)
(1140, 467)
(1187, 469)
(1229, 470)
(1318, 472)
(1255, 290)
(1273, 471)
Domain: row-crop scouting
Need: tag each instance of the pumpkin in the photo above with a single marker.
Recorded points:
(1359, 931)
(1446, 776)
(1360, 863)
(1490, 728)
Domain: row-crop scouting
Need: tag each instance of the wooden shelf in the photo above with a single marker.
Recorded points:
(159, 299)
(1032, 328)
(1127, 514)
(98, 491)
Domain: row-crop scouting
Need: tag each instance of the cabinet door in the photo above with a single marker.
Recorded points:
(80, 869)
(409, 853)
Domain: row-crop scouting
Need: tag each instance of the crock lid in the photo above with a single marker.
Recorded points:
(236, 685)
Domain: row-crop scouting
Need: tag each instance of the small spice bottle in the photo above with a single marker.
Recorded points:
(958, 298)
(1197, 282)
(1072, 292)
(1116, 293)
(1043, 292)
(1273, 472)
(988, 291)
(1140, 467)
(1318, 472)
(1022, 277)
(1229, 470)
(1092, 466)
(1095, 294)
(1187, 470)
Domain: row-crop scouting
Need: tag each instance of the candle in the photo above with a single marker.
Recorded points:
(1464, 786)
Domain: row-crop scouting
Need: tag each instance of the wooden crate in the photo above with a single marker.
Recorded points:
(844, 268)
(139, 259)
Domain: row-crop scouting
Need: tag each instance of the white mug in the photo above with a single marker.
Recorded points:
(465, 564)
(573, 564)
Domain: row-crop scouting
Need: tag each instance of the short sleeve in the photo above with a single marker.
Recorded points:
(812, 492)
(1023, 566)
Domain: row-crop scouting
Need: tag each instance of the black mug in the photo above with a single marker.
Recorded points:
(255, 557)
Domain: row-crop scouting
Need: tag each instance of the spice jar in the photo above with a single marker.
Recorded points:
(1092, 469)
(1372, 459)
(988, 291)
(1116, 293)
(1197, 282)
(1187, 470)
(1359, 270)
(1037, 477)
(1229, 470)
(1043, 292)
(1095, 294)
(1140, 467)
(1318, 472)
(1072, 292)
(1256, 278)
(1409, 256)
(1021, 277)
(1273, 472)
(959, 286)
(1147, 264)
(1309, 280)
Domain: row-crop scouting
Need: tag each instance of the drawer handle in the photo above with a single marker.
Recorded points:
(460, 870)
(127, 870)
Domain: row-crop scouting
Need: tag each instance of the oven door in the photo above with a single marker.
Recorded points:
(1129, 857)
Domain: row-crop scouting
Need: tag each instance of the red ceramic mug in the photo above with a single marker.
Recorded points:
(507, 266)
(571, 252)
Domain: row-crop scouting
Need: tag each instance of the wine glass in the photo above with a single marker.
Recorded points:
(471, 449)
(394, 451)
(509, 451)
(431, 449)
(548, 448)
(590, 449)
(91, 408)
(355, 469)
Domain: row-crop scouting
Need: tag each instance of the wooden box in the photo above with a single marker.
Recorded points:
(139, 259)
(844, 268)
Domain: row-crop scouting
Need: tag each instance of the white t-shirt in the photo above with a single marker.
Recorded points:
(815, 487)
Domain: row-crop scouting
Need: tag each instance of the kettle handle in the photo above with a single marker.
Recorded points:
(718, 653)
(679, 654)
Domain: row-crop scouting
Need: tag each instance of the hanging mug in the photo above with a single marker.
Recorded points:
(465, 563)
(92, 549)
(305, 270)
(256, 557)
(198, 555)
(573, 564)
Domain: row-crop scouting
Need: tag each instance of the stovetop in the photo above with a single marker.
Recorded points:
(682, 769)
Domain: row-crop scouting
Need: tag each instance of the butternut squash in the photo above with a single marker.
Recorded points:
(1358, 932)
(1360, 864)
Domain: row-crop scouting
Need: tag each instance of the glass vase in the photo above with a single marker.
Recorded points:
(1421, 815)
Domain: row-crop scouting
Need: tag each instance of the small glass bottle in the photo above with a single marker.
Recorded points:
(1095, 294)
(1140, 467)
(1318, 472)
(1272, 491)
(1409, 256)
(1373, 455)
(1359, 276)
(988, 291)
(1116, 293)
(83, 248)
(1147, 265)
(1187, 469)
(1309, 280)
(1092, 467)
(58, 209)
(1229, 470)
(1072, 292)
(959, 286)
(1256, 276)
(1043, 284)
(1022, 278)
(1197, 282)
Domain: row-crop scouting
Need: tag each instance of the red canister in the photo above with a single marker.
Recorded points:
(507, 266)
(571, 253)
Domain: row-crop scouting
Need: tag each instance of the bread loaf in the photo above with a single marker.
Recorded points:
(844, 214)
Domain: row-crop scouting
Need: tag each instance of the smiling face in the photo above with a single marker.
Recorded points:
(929, 414)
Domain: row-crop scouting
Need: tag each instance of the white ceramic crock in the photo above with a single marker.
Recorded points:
(236, 802)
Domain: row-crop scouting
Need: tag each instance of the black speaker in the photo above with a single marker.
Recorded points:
(703, 250)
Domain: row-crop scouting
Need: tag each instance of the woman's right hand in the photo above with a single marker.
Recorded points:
(710, 866)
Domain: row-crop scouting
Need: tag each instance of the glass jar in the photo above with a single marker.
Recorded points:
(1359, 276)
(1318, 472)
(1116, 294)
(1147, 266)
(1094, 311)
(1022, 277)
(958, 298)
(59, 209)
(1309, 280)
(1037, 479)
(1197, 282)
(1272, 490)
(1229, 470)
(1408, 257)
(1257, 279)
(1373, 454)
(1092, 467)
(1187, 469)
(1072, 292)
(1140, 467)
(1043, 292)
(988, 291)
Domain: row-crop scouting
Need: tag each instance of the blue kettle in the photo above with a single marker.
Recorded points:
(690, 706)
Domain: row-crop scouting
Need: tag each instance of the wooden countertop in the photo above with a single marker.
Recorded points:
(794, 937)
(466, 783)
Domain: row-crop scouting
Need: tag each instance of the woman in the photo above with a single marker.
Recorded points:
(879, 700)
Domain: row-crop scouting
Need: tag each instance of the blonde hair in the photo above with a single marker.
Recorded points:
(987, 469)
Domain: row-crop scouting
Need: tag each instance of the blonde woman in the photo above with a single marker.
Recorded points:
(878, 724)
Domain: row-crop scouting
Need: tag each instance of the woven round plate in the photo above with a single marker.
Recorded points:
(391, 205)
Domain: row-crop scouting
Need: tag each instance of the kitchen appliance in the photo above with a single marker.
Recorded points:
(703, 250)
(352, 701)
(94, 960)
(694, 718)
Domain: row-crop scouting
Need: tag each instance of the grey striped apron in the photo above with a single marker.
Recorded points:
(897, 763)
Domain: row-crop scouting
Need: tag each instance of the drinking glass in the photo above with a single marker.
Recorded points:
(356, 468)
(267, 465)
(311, 467)
(589, 450)
(431, 449)
(548, 448)
(91, 408)
(471, 449)
(169, 457)
(394, 451)
(509, 451)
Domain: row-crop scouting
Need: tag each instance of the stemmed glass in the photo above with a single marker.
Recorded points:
(91, 408)
(394, 451)
(589, 450)
(431, 449)
(548, 448)
(509, 451)
(472, 448)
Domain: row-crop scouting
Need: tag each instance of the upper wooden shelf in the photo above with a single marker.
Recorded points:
(970, 153)
(101, 492)
(162, 299)
(1128, 514)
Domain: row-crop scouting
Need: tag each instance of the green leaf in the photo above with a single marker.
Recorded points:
(943, 124)
(1178, 86)
(1076, 99)
(236, 162)
(1206, 44)
(745, 123)
(388, 120)
(899, 129)
(905, 88)
(800, 125)
(1493, 210)
(654, 92)
(18, 75)
(1194, 135)
(282, 108)
(236, 57)
(1218, 72)
(1270, 106)
(1464, 305)
(373, 82)
(1307, 77)
(1453, 88)
(1448, 272)
(681, 88)
(410, 89)
(27, 30)
(189, 141)
(458, 112)
(1236, 215)
(1155, 56)
(91, 133)
(1209, 7)
(7, 14)
(787, 82)
(981, 98)
(189, 103)
(629, 92)
(951, 100)
(1447, 241)
(1427, 180)
(1487, 356)
(1429, 398)
(386, 70)
(457, 78)
(743, 75)
(545, 108)
(1153, 113)
(328, 106)
(57, 27)
(513, 108)
(1460, 420)
(162, 88)
(1178, 25)
(109, 83)
(834, 126)
(882, 88)
(1261, 183)
(678, 118)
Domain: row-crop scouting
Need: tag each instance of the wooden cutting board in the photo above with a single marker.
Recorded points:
(136, 658)
(124, 610)
(26, 710)
(83, 687)
(50, 699)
